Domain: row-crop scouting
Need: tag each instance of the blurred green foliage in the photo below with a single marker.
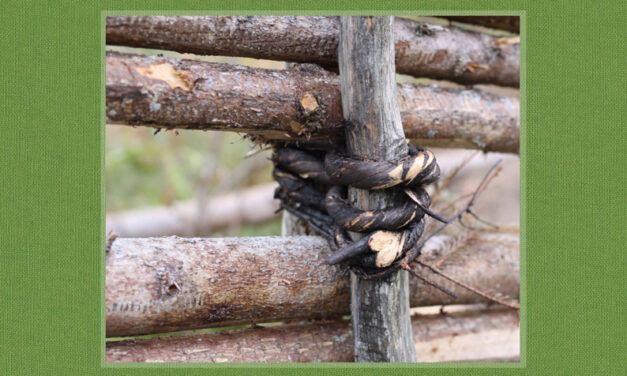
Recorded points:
(144, 169)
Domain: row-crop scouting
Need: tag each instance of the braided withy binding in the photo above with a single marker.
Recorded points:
(312, 186)
(418, 167)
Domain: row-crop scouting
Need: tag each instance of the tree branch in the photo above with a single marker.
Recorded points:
(422, 50)
(301, 103)
(157, 285)
(464, 336)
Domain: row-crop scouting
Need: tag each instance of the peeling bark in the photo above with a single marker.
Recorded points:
(464, 336)
(422, 50)
(177, 93)
(156, 285)
(510, 23)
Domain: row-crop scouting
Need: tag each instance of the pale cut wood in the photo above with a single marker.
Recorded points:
(187, 94)
(492, 335)
(380, 307)
(158, 285)
(422, 50)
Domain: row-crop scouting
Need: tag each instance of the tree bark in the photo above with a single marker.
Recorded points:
(297, 104)
(158, 285)
(509, 23)
(422, 50)
(464, 336)
(379, 308)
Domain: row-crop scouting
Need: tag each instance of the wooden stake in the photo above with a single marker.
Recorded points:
(380, 308)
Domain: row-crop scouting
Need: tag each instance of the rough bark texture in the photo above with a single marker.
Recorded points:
(464, 336)
(169, 284)
(300, 103)
(250, 205)
(510, 23)
(380, 307)
(422, 50)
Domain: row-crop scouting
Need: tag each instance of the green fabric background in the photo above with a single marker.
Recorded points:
(51, 186)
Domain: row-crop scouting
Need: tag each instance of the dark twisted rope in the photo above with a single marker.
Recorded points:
(312, 186)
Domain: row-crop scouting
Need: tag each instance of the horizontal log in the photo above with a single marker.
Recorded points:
(250, 205)
(466, 336)
(298, 104)
(156, 285)
(421, 50)
(509, 23)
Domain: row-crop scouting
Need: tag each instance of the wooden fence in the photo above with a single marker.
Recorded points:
(171, 284)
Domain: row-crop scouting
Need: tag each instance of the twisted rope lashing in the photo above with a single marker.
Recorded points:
(313, 185)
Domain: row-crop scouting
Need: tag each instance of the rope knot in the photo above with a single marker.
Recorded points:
(313, 185)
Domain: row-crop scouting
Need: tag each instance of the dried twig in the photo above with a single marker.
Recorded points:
(449, 178)
(466, 286)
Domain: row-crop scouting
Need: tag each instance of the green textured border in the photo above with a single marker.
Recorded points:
(51, 186)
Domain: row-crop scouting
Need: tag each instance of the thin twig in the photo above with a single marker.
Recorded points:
(481, 220)
(254, 152)
(453, 202)
(467, 287)
(428, 282)
(451, 176)
(484, 182)
(413, 197)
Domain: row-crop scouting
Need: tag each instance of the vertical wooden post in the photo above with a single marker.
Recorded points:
(380, 308)
(291, 225)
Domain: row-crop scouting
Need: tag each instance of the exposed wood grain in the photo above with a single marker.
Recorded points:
(463, 336)
(188, 94)
(170, 284)
(422, 50)
(379, 307)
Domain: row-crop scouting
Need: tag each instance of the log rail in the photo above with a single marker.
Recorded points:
(421, 50)
(455, 337)
(301, 103)
(157, 285)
